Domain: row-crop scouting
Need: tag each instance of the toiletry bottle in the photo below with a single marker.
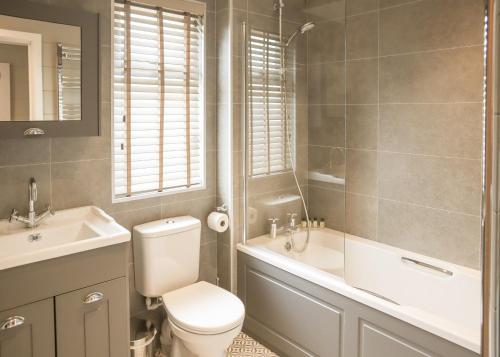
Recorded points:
(322, 223)
(273, 231)
(303, 223)
(315, 222)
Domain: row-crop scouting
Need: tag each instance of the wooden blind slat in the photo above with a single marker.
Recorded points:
(162, 98)
(187, 32)
(128, 118)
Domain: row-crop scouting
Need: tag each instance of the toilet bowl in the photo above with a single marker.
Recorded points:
(203, 318)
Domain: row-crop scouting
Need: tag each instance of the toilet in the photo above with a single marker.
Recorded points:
(203, 318)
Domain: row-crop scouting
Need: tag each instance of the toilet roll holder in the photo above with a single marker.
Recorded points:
(223, 209)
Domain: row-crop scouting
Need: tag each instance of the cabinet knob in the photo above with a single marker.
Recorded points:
(93, 297)
(12, 322)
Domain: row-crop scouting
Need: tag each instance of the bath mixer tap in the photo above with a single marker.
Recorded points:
(292, 222)
(33, 218)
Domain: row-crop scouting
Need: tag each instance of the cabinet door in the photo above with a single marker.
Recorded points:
(28, 330)
(94, 321)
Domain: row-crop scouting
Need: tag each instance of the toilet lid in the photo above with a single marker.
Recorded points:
(204, 308)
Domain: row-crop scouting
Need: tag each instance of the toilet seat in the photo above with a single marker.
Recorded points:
(203, 308)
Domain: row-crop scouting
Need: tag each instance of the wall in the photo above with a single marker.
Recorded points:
(73, 172)
(413, 130)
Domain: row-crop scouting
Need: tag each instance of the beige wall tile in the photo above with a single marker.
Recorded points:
(362, 126)
(14, 182)
(429, 25)
(81, 183)
(432, 129)
(435, 77)
(24, 151)
(327, 160)
(327, 125)
(362, 36)
(326, 83)
(326, 42)
(359, 6)
(435, 233)
(361, 215)
(445, 183)
(327, 204)
(362, 81)
(208, 262)
(361, 172)
(321, 10)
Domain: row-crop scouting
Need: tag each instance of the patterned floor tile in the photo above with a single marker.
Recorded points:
(245, 346)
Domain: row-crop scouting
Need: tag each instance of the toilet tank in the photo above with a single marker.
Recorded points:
(166, 254)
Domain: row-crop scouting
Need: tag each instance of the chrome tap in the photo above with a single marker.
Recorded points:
(292, 223)
(33, 218)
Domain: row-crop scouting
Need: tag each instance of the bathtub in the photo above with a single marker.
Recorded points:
(441, 298)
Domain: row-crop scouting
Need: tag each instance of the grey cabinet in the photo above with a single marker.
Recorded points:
(79, 300)
(28, 330)
(91, 321)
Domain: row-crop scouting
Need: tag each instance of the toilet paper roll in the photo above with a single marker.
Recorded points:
(218, 221)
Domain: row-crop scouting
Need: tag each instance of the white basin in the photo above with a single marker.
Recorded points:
(67, 232)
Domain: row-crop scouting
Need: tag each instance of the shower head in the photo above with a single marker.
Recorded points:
(301, 30)
(306, 27)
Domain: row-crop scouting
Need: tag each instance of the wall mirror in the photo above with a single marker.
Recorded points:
(48, 71)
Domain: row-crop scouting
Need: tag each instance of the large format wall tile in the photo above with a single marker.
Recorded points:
(326, 83)
(362, 81)
(24, 151)
(327, 204)
(432, 129)
(362, 126)
(362, 36)
(361, 171)
(454, 75)
(361, 215)
(430, 25)
(326, 125)
(14, 182)
(445, 183)
(436, 233)
(326, 42)
(360, 6)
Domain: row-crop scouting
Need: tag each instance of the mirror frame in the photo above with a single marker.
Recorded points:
(89, 33)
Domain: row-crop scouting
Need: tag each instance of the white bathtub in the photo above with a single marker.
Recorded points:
(446, 303)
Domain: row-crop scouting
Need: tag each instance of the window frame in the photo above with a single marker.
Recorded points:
(195, 7)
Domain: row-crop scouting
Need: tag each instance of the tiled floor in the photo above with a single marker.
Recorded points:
(245, 346)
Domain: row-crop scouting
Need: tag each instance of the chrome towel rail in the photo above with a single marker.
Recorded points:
(426, 265)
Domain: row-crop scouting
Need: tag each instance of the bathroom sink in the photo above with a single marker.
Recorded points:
(67, 232)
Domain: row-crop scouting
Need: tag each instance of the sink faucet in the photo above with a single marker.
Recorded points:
(33, 218)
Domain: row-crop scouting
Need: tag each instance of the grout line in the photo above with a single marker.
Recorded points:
(50, 174)
(399, 54)
(25, 165)
(418, 155)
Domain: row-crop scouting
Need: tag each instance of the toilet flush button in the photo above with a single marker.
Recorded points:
(170, 221)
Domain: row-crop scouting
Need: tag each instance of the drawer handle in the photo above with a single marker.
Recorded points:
(12, 322)
(93, 297)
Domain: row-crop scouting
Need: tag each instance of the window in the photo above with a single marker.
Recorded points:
(268, 127)
(158, 93)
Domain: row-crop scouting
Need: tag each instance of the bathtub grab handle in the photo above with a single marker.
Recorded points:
(427, 265)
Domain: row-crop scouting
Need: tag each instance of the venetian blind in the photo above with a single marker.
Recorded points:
(268, 127)
(158, 94)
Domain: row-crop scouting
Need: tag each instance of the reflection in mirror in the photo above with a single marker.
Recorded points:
(40, 70)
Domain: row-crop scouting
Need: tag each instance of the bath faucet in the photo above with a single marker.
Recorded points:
(292, 223)
(33, 218)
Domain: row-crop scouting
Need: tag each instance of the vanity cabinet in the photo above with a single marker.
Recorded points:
(90, 321)
(73, 306)
(28, 330)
